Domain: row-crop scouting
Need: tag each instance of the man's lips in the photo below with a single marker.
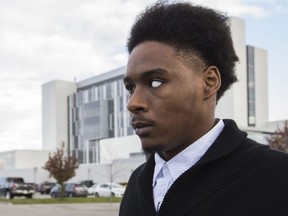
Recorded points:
(141, 127)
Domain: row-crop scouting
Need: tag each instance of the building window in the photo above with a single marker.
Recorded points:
(99, 112)
(251, 86)
(111, 116)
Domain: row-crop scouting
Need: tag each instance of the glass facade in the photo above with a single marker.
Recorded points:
(96, 112)
(251, 86)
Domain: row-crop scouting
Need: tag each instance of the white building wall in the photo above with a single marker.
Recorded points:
(23, 159)
(222, 110)
(261, 87)
(25, 163)
(30, 158)
(35, 175)
(240, 88)
(120, 147)
(54, 113)
(233, 105)
(119, 171)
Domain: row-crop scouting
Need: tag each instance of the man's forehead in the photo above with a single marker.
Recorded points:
(129, 75)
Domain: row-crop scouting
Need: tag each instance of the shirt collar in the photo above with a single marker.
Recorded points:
(190, 155)
(159, 163)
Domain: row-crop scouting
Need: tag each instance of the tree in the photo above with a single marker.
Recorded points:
(279, 139)
(112, 169)
(61, 166)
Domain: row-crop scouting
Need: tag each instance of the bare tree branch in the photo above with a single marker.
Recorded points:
(279, 139)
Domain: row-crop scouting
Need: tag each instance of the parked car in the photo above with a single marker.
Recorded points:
(15, 186)
(107, 190)
(45, 187)
(87, 183)
(92, 189)
(70, 190)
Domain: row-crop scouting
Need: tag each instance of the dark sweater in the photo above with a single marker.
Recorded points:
(236, 176)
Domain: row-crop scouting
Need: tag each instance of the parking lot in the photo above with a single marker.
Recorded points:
(106, 209)
(95, 209)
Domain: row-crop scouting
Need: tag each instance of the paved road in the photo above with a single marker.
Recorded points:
(103, 209)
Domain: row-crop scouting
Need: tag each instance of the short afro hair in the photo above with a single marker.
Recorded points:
(192, 29)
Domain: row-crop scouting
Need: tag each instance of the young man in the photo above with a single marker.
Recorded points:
(181, 62)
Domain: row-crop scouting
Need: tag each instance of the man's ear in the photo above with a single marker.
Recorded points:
(212, 81)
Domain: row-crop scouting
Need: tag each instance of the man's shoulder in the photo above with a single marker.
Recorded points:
(266, 157)
(249, 144)
(145, 170)
(139, 168)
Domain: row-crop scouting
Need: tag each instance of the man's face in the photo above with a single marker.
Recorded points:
(167, 101)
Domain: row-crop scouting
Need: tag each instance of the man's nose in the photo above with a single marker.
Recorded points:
(137, 101)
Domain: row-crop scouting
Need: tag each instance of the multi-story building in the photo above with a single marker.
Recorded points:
(94, 114)
(97, 111)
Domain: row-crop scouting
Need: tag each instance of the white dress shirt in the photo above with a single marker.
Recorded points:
(166, 172)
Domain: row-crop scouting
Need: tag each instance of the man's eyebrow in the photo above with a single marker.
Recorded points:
(148, 74)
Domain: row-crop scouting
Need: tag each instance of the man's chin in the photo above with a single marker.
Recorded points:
(150, 150)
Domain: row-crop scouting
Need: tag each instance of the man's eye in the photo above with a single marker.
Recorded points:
(156, 83)
(130, 89)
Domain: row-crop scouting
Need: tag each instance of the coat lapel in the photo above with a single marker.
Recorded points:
(145, 188)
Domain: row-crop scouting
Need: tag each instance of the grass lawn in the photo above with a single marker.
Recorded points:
(62, 200)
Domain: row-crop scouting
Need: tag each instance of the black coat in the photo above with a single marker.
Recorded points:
(236, 176)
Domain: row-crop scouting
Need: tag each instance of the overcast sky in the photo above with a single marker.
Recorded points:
(44, 40)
